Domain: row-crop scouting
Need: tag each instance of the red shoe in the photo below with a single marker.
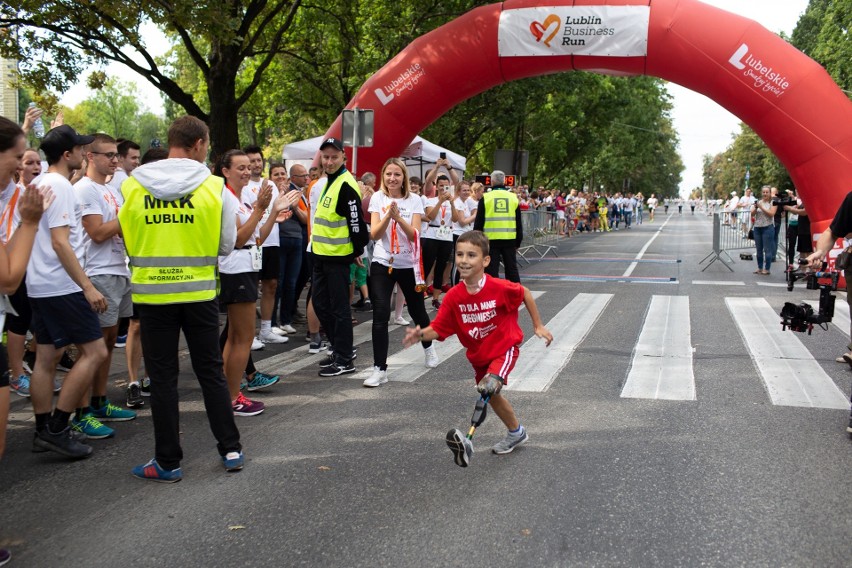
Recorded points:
(445, 288)
(430, 289)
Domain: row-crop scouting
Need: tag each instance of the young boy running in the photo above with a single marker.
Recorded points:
(483, 312)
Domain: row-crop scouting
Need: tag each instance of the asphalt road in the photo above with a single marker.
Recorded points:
(340, 475)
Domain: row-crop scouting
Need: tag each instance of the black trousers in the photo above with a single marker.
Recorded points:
(330, 294)
(508, 254)
(381, 290)
(438, 253)
(161, 326)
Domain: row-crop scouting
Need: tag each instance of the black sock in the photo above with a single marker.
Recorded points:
(78, 414)
(41, 421)
(98, 401)
(58, 421)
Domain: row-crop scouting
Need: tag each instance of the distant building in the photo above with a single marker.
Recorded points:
(8, 93)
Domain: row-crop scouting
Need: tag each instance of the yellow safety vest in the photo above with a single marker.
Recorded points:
(330, 231)
(501, 207)
(173, 245)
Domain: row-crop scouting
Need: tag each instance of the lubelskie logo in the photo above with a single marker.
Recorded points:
(405, 81)
(763, 76)
(538, 29)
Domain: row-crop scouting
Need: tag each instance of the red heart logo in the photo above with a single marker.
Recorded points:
(538, 29)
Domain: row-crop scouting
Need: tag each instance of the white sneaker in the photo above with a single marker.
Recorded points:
(269, 337)
(256, 344)
(287, 328)
(401, 321)
(378, 377)
(277, 330)
(432, 359)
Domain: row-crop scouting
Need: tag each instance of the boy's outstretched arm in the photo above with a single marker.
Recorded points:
(540, 330)
(416, 335)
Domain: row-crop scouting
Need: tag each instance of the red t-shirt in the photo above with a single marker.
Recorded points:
(486, 322)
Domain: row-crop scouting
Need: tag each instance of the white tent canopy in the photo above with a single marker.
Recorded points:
(419, 156)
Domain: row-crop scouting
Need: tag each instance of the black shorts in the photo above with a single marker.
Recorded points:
(135, 315)
(238, 288)
(63, 320)
(271, 264)
(19, 324)
(4, 365)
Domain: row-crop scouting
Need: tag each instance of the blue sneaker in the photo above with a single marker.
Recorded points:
(233, 461)
(261, 381)
(91, 427)
(121, 342)
(20, 386)
(112, 413)
(154, 472)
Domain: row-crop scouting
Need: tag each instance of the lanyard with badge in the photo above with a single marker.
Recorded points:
(9, 212)
(444, 231)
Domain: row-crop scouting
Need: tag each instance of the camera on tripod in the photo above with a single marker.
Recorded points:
(801, 317)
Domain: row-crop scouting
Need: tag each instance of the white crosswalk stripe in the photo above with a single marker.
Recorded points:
(662, 361)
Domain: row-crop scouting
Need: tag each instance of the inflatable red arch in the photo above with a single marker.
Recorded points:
(784, 96)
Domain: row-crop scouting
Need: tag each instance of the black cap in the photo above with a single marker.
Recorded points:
(63, 139)
(332, 142)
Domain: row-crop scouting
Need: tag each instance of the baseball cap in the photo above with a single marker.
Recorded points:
(332, 142)
(733, 193)
(63, 139)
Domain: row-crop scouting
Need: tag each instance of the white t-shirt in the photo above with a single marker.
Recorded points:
(249, 196)
(465, 209)
(117, 179)
(45, 275)
(7, 221)
(108, 257)
(239, 261)
(399, 247)
(652, 203)
(443, 219)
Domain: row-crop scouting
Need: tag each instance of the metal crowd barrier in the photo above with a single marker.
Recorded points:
(540, 234)
(731, 233)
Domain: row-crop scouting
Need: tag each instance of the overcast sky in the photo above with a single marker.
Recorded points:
(703, 126)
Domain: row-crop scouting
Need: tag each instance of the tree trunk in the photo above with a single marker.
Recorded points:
(221, 90)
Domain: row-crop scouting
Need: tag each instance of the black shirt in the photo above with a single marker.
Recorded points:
(842, 223)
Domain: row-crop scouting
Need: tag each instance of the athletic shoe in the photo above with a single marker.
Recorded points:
(277, 330)
(121, 342)
(92, 427)
(20, 386)
(269, 337)
(77, 436)
(233, 461)
(436, 303)
(315, 348)
(65, 363)
(261, 381)
(461, 447)
(365, 307)
(246, 407)
(287, 328)
(330, 358)
(359, 304)
(337, 369)
(256, 344)
(378, 377)
(62, 443)
(432, 359)
(510, 442)
(112, 413)
(146, 386)
(57, 384)
(153, 472)
(401, 321)
(5, 556)
(29, 361)
(849, 428)
(134, 396)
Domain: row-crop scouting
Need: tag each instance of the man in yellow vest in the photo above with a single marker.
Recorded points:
(499, 217)
(338, 237)
(175, 224)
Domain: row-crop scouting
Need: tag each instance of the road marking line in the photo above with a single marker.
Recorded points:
(662, 360)
(716, 283)
(789, 371)
(639, 256)
(841, 316)
(538, 366)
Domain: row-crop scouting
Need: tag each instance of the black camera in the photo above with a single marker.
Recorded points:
(782, 201)
(801, 317)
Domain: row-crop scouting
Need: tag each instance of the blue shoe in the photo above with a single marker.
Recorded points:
(261, 381)
(112, 413)
(92, 428)
(154, 472)
(233, 461)
(121, 342)
(20, 386)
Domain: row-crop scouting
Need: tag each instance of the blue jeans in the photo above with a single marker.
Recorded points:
(290, 253)
(764, 238)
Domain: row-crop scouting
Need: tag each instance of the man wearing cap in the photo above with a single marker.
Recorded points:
(338, 238)
(64, 301)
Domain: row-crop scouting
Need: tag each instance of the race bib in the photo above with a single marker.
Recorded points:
(444, 233)
(256, 258)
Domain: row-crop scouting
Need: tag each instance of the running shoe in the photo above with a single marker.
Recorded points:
(112, 413)
(261, 381)
(365, 307)
(331, 359)
(77, 436)
(92, 427)
(436, 303)
(65, 363)
(153, 472)
(337, 369)
(510, 442)
(461, 447)
(20, 386)
(134, 396)
(378, 378)
(146, 386)
(121, 342)
(432, 359)
(246, 407)
(233, 461)
(269, 337)
(315, 348)
(401, 321)
(287, 328)
(62, 443)
(256, 344)
(5, 556)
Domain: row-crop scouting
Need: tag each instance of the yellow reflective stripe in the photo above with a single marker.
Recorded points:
(329, 240)
(330, 224)
(172, 261)
(500, 230)
(193, 286)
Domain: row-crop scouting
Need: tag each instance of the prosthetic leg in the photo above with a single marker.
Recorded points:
(461, 445)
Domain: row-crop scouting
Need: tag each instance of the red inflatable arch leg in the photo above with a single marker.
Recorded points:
(783, 95)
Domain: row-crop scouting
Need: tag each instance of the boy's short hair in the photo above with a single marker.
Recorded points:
(477, 239)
